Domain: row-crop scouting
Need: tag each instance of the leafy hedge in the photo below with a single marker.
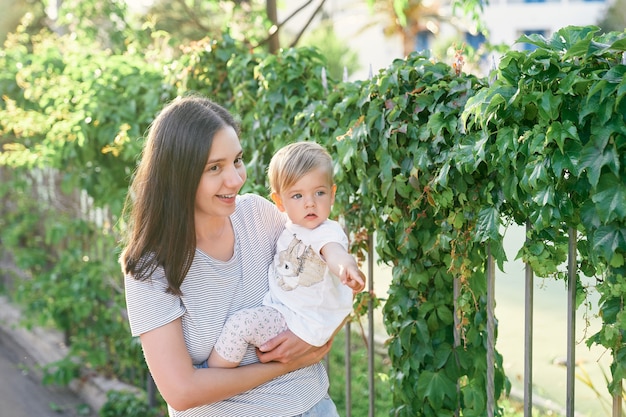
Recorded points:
(431, 159)
(557, 141)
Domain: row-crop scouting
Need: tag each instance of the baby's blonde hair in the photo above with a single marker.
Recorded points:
(295, 160)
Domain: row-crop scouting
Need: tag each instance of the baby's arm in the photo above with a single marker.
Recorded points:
(342, 264)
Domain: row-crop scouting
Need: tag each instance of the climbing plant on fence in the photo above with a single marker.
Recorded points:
(431, 159)
(556, 123)
(418, 183)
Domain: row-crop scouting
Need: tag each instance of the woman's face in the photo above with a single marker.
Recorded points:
(223, 176)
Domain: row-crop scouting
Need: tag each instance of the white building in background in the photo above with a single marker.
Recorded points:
(507, 20)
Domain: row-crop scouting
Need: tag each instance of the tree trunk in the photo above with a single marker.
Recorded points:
(272, 15)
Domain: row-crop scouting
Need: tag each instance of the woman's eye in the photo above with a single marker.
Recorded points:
(239, 161)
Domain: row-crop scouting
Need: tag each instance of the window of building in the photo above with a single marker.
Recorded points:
(528, 46)
(475, 41)
(423, 41)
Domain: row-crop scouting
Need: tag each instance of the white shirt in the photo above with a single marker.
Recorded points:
(313, 300)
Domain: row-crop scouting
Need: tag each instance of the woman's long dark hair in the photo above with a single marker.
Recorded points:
(159, 208)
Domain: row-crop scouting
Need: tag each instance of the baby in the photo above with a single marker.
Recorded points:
(313, 277)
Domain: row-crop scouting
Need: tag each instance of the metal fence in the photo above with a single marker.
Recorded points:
(528, 400)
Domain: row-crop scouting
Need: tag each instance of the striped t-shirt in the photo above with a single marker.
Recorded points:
(212, 291)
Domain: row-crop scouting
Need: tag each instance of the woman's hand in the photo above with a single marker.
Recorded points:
(289, 349)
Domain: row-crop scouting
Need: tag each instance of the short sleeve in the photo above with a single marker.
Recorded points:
(148, 304)
(327, 232)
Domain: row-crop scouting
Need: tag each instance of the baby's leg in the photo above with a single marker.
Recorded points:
(250, 326)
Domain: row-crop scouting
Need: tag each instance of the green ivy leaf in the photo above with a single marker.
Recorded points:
(534, 39)
(545, 196)
(442, 355)
(474, 399)
(549, 105)
(558, 132)
(575, 39)
(610, 198)
(592, 159)
(607, 239)
(487, 225)
(445, 314)
(610, 309)
(539, 174)
(435, 386)
(615, 75)
(567, 161)
(619, 45)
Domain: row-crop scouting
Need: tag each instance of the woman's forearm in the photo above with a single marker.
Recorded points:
(209, 385)
(183, 386)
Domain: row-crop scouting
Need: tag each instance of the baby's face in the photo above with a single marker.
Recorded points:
(308, 202)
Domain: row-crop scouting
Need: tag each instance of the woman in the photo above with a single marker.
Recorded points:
(195, 253)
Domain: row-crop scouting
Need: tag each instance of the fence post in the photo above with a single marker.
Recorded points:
(348, 327)
(370, 303)
(491, 334)
(617, 398)
(528, 337)
(491, 304)
(370, 319)
(456, 293)
(571, 321)
(348, 368)
(151, 390)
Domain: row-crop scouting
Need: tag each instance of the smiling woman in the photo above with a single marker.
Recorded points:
(197, 252)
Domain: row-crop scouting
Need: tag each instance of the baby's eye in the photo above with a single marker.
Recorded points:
(320, 193)
(296, 196)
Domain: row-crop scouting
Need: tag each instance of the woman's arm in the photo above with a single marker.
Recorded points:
(183, 386)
